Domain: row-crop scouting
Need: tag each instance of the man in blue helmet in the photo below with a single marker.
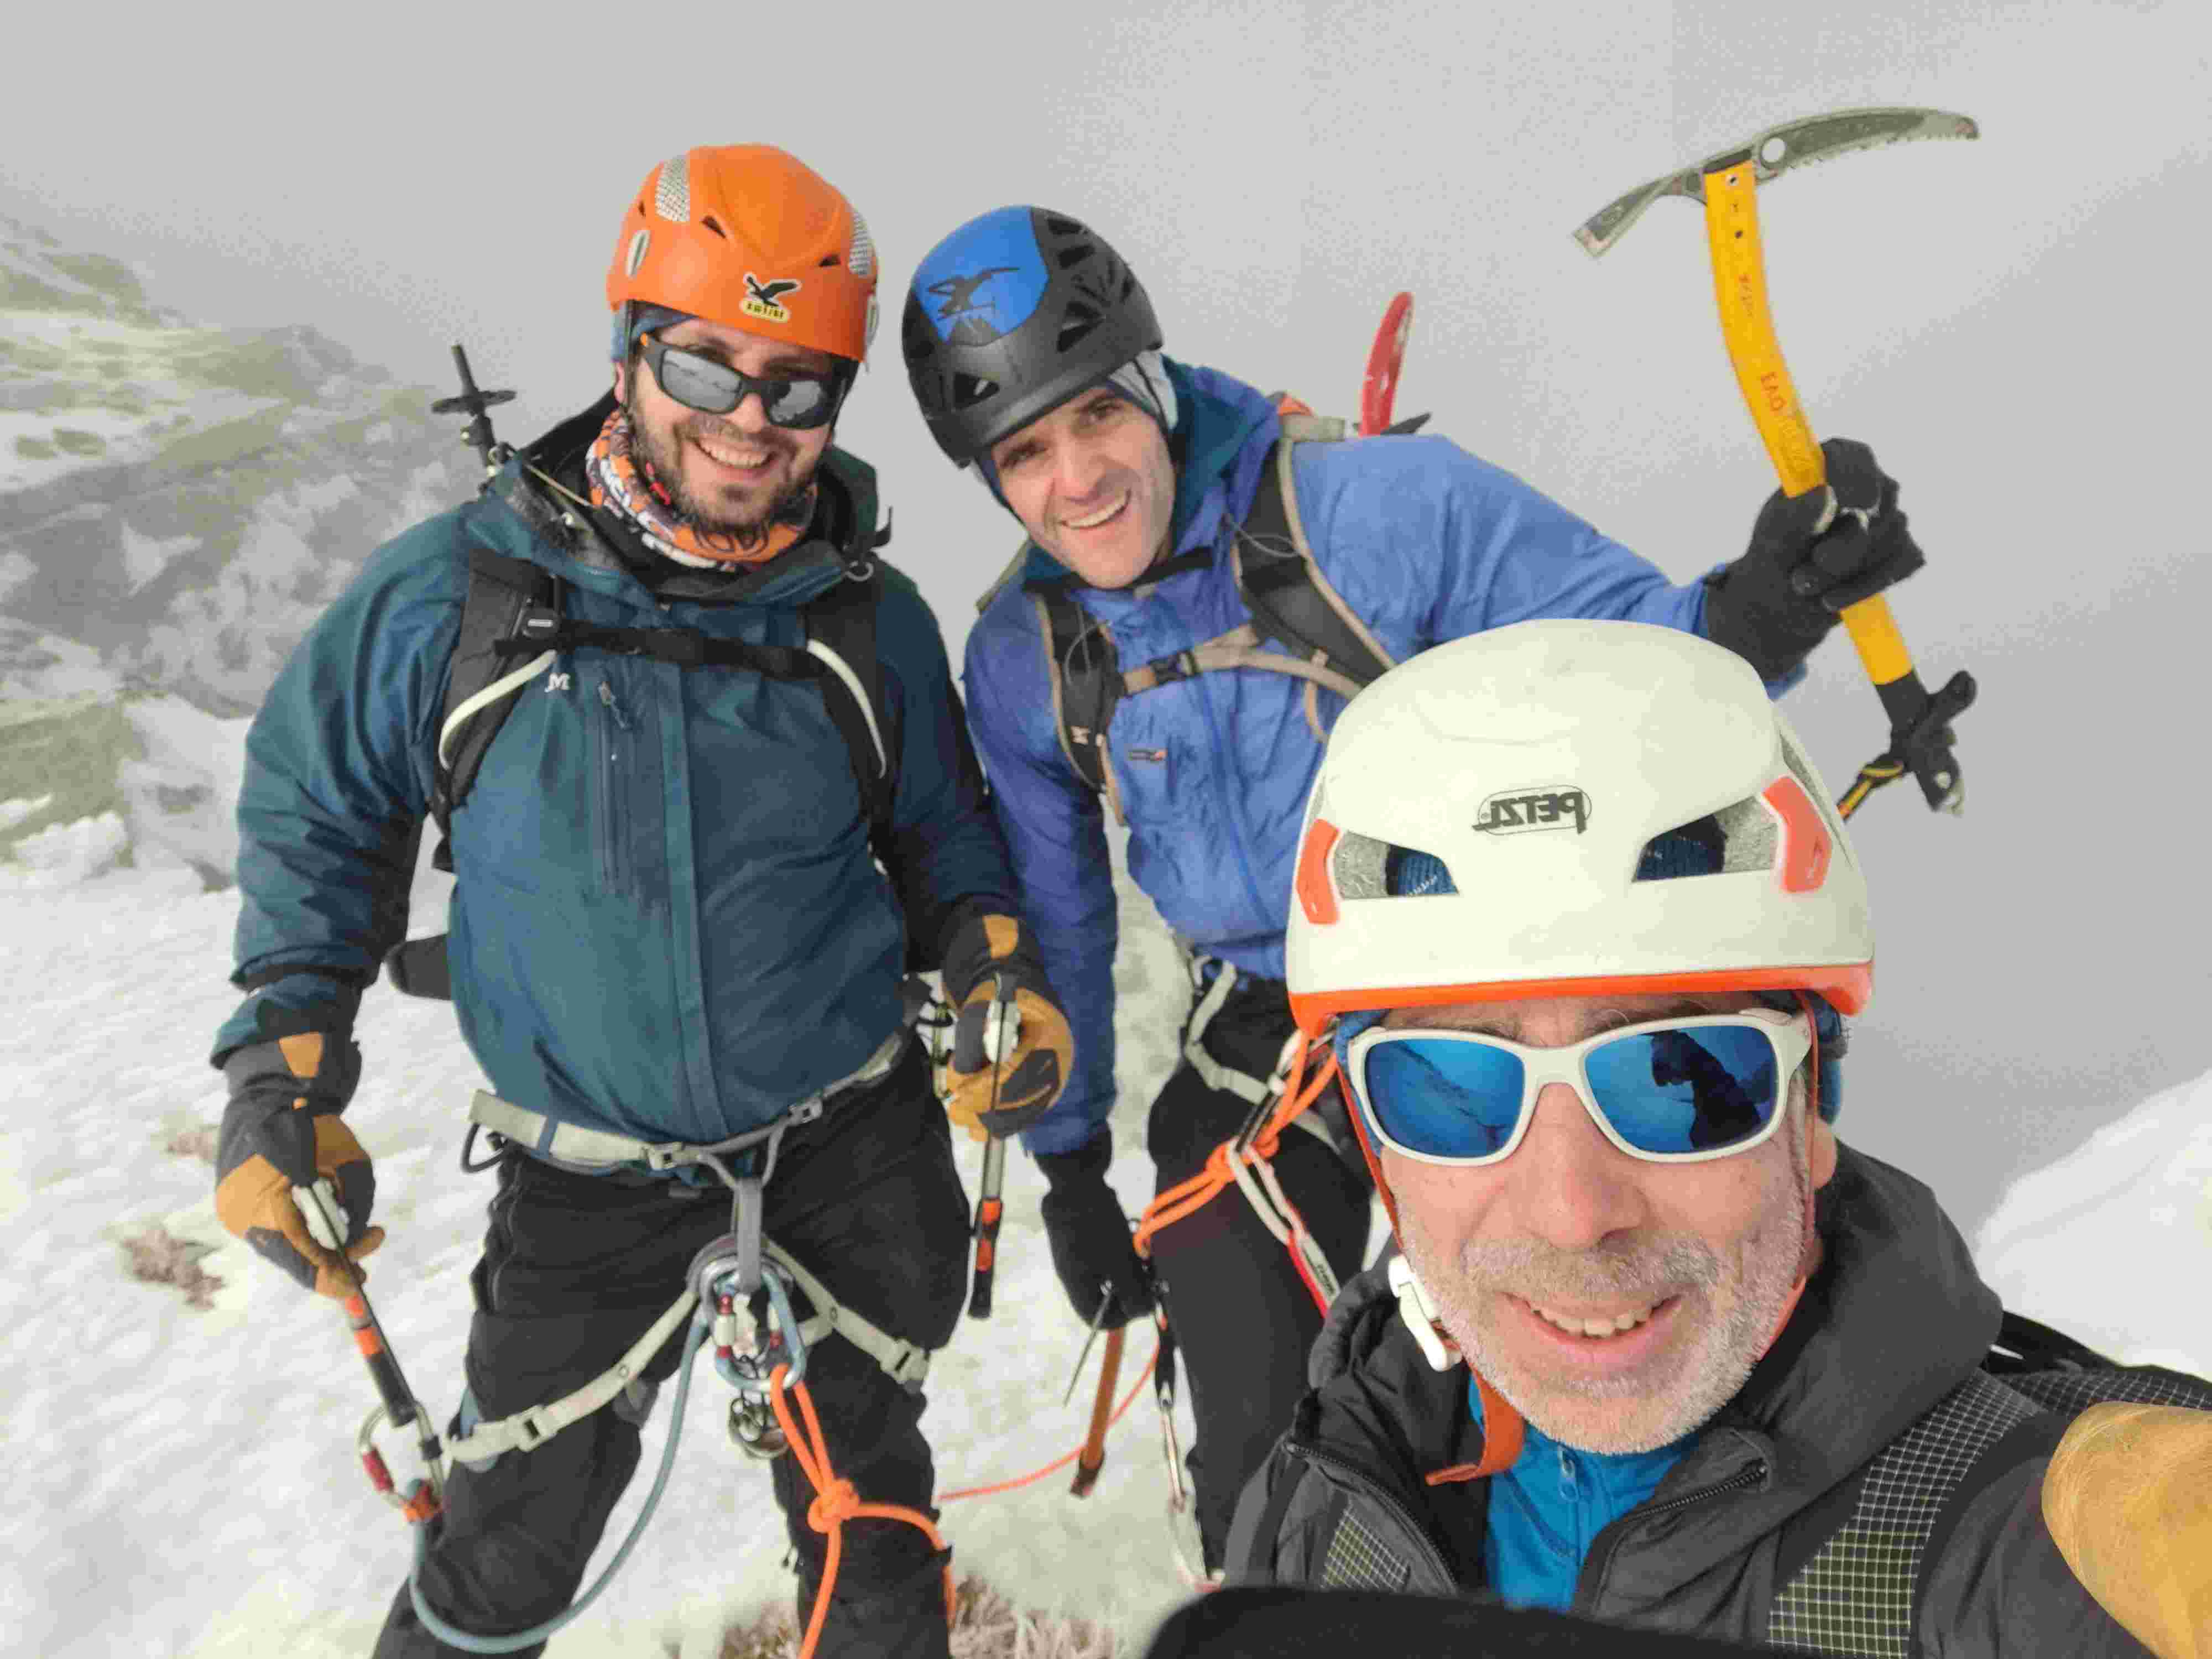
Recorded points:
(1158, 500)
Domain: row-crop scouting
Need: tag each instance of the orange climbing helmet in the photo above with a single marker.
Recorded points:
(750, 237)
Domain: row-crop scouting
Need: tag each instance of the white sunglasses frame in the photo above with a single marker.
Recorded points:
(1792, 1034)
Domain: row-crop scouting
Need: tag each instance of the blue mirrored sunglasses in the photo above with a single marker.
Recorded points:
(1667, 1091)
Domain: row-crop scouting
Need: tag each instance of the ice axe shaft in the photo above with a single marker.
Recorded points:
(1092, 1457)
(1727, 184)
(990, 1209)
(1731, 193)
(1002, 1029)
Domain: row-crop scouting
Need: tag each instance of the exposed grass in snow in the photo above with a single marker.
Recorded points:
(156, 1256)
(66, 758)
(986, 1625)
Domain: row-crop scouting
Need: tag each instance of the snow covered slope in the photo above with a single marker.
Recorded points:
(2114, 1243)
(183, 501)
(179, 1447)
(181, 1451)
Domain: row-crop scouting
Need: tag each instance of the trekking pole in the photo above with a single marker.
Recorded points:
(990, 1209)
(397, 1404)
(477, 405)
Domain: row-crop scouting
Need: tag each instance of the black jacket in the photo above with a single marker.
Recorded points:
(1871, 1489)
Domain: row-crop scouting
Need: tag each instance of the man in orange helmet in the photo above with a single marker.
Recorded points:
(707, 794)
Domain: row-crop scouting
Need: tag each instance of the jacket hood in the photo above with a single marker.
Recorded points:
(1895, 1318)
(543, 487)
(1223, 429)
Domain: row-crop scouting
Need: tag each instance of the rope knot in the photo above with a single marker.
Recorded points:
(833, 1505)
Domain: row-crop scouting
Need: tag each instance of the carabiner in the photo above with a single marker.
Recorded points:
(421, 1501)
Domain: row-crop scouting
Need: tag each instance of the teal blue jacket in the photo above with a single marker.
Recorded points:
(666, 920)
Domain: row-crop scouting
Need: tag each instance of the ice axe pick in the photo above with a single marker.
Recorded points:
(1920, 733)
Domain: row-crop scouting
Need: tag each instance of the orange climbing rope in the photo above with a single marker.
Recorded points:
(1226, 1166)
(836, 1502)
(1036, 1475)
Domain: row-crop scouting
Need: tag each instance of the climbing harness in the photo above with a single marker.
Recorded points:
(1213, 980)
(1247, 1158)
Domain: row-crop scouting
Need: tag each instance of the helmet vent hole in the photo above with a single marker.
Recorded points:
(715, 225)
(1366, 868)
(1073, 256)
(1059, 227)
(1078, 321)
(1736, 838)
(827, 261)
(968, 390)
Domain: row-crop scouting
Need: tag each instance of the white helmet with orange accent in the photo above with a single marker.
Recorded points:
(1570, 808)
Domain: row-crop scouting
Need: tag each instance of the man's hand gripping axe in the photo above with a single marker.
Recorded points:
(1920, 734)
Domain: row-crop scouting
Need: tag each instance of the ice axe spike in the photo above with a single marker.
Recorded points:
(1727, 184)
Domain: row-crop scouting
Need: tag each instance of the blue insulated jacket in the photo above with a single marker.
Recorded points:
(665, 918)
(1423, 540)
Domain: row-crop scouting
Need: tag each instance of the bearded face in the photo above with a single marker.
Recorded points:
(1616, 1304)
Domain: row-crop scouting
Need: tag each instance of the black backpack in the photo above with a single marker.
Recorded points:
(1854, 1588)
(513, 628)
(1290, 604)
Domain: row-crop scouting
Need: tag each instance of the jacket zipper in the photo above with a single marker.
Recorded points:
(1601, 1550)
(611, 859)
(1389, 1504)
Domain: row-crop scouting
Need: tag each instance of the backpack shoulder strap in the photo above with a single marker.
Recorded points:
(1857, 1591)
(1083, 670)
(1292, 601)
(511, 605)
(1854, 1588)
(841, 634)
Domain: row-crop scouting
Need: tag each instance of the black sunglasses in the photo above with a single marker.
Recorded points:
(699, 382)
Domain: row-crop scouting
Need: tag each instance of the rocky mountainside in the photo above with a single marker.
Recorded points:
(177, 504)
(182, 500)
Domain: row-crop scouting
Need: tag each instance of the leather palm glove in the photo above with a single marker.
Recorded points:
(1810, 557)
(282, 1140)
(991, 1086)
(1092, 1248)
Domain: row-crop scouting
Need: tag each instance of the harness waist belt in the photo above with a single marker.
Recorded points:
(591, 1152)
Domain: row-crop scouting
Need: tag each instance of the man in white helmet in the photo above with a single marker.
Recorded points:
(1577, 922)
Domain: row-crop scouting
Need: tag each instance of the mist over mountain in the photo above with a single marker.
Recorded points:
(177, 505)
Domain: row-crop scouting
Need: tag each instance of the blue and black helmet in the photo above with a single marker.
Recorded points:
(1011, 315)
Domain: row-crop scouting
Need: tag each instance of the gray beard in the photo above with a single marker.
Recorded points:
(1682, 1392)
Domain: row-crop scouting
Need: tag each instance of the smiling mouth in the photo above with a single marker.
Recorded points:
(734, 457)
(1597, 1327)
(1105, 515)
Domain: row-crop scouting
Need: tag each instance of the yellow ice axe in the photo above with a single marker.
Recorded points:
(1920, 734)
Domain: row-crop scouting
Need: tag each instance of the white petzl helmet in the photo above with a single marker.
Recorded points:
(1535, 766)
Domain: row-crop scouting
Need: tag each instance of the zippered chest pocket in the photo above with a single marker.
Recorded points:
(627, 792)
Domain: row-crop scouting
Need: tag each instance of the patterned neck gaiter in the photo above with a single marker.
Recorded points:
(622, 481)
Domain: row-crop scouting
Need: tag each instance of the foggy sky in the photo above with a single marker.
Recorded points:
(2016, 325)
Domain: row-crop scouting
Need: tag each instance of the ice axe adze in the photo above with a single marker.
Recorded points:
(1920, 733)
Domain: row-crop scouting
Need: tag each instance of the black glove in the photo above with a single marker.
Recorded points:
(1804, 563)
(987, 955)
(1091, 1245)
(283, 1137)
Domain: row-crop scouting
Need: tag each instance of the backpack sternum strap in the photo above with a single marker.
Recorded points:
(1238, 648)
